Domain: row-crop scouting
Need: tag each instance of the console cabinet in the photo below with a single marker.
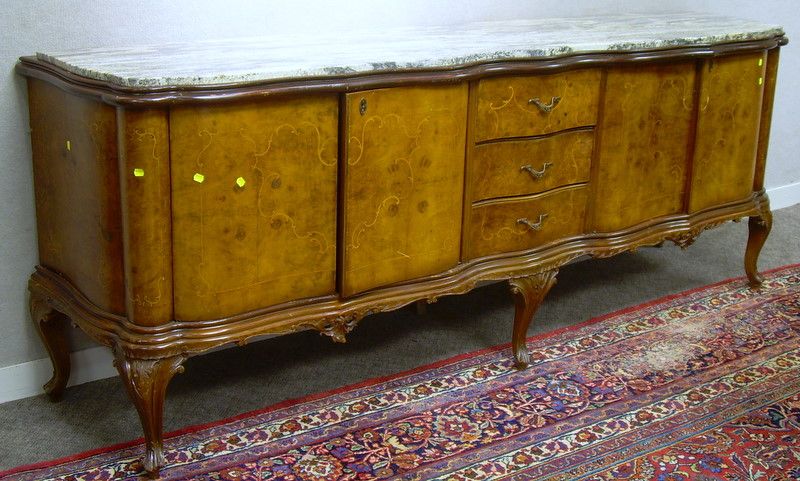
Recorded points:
(177, 218)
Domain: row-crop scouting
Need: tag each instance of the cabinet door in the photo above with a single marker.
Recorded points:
(642, 152)
(403, 185)
(727, 130)
(254, 204)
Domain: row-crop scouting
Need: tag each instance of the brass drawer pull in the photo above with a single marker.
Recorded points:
(533, 225)
(536, 174)
(546, 108)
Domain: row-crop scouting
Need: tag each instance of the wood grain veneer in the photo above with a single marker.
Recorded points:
(78, 192)
(254, 204)
(519, 106)
(522, 167)
(727, 129)
(144, 178)
(496, 225)
(403, 184)
(646, 125)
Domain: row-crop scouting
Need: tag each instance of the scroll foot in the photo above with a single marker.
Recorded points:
(759, 227)
(529, 292)
(52, 328)
(146, 381)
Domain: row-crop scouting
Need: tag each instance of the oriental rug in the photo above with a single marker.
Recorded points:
(703, 385)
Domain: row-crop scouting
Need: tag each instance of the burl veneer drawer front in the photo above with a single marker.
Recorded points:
(517, 224)
(520, 167)
(254, 204)
(536, 104)
(403, 185)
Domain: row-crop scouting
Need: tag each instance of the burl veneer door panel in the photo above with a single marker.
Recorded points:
(520, 167)
(645, 132)
(75, 170)
(254, 204)
(727, 130)
(404, 182)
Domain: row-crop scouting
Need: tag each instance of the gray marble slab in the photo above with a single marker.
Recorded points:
(288, 57)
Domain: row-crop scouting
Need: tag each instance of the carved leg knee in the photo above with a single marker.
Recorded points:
(146, 381)
(759, 227)
(529, 292)
(52, 327)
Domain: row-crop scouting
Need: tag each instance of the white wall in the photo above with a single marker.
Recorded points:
(51, 25)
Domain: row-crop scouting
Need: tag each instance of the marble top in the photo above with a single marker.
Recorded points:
(290, 57)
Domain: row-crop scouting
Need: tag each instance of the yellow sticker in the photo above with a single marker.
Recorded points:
(199, 178)
(69, 146)
(240, 182)
(760, 62)
(138, 172)
(760, 80)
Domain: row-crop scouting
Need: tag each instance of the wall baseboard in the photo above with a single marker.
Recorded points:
(26, 379)
(784, 196)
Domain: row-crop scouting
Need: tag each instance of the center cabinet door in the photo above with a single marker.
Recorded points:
(403, 184)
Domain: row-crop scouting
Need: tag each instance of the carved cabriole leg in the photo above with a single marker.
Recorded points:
(759, 227)
(146, 382)
(529, 292)
(52, 327)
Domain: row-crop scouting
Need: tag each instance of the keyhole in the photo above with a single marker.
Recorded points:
(362, 107)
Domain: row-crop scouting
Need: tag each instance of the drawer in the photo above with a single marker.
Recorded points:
(535, 105)
(518, 224)
(521, 167)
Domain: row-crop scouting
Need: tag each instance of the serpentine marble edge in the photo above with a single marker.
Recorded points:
(292, 56)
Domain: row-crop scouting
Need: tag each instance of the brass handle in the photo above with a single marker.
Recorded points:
(546, 108)
(536, 174)
(533, 225)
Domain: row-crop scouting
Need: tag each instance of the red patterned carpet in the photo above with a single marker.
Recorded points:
(704, 385)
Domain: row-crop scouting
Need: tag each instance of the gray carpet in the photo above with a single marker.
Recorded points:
(229, 382)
